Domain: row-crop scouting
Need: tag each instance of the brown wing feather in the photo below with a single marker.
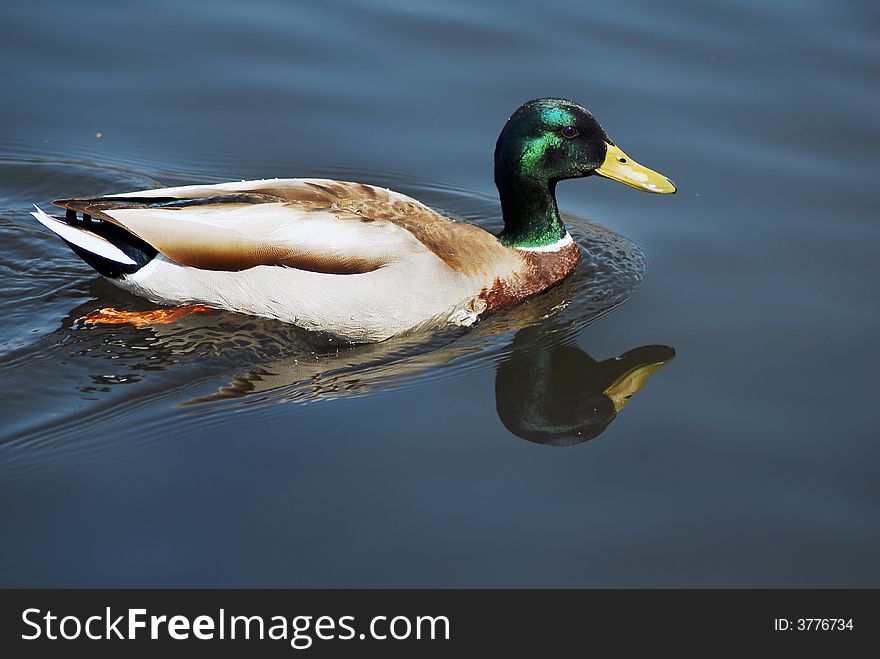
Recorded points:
(463, 247)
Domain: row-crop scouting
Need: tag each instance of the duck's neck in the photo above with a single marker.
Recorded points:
(531, 216)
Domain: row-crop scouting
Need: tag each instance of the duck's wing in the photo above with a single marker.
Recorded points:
(309, 224)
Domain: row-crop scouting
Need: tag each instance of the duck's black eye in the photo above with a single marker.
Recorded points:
(569, 132)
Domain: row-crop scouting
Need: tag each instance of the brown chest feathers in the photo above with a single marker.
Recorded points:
(542, 270)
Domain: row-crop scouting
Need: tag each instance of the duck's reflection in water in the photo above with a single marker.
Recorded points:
(553, 393)
(546, 390)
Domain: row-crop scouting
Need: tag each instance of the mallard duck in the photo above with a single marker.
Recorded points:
(357, 261)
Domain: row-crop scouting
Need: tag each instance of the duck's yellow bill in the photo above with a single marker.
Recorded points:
(630, 383)
(620, 167)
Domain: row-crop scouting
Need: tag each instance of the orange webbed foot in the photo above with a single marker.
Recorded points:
(111, 316)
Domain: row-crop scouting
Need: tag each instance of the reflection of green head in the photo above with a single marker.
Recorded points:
(559, 395)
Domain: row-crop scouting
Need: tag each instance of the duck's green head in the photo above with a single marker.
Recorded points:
(545, 141)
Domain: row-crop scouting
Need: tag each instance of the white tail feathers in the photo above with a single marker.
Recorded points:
(91, 242)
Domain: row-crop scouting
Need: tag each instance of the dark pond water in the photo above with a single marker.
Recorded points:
(232, 451)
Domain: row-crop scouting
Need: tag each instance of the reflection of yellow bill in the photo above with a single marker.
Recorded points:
(620, 167)
(630, 383)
